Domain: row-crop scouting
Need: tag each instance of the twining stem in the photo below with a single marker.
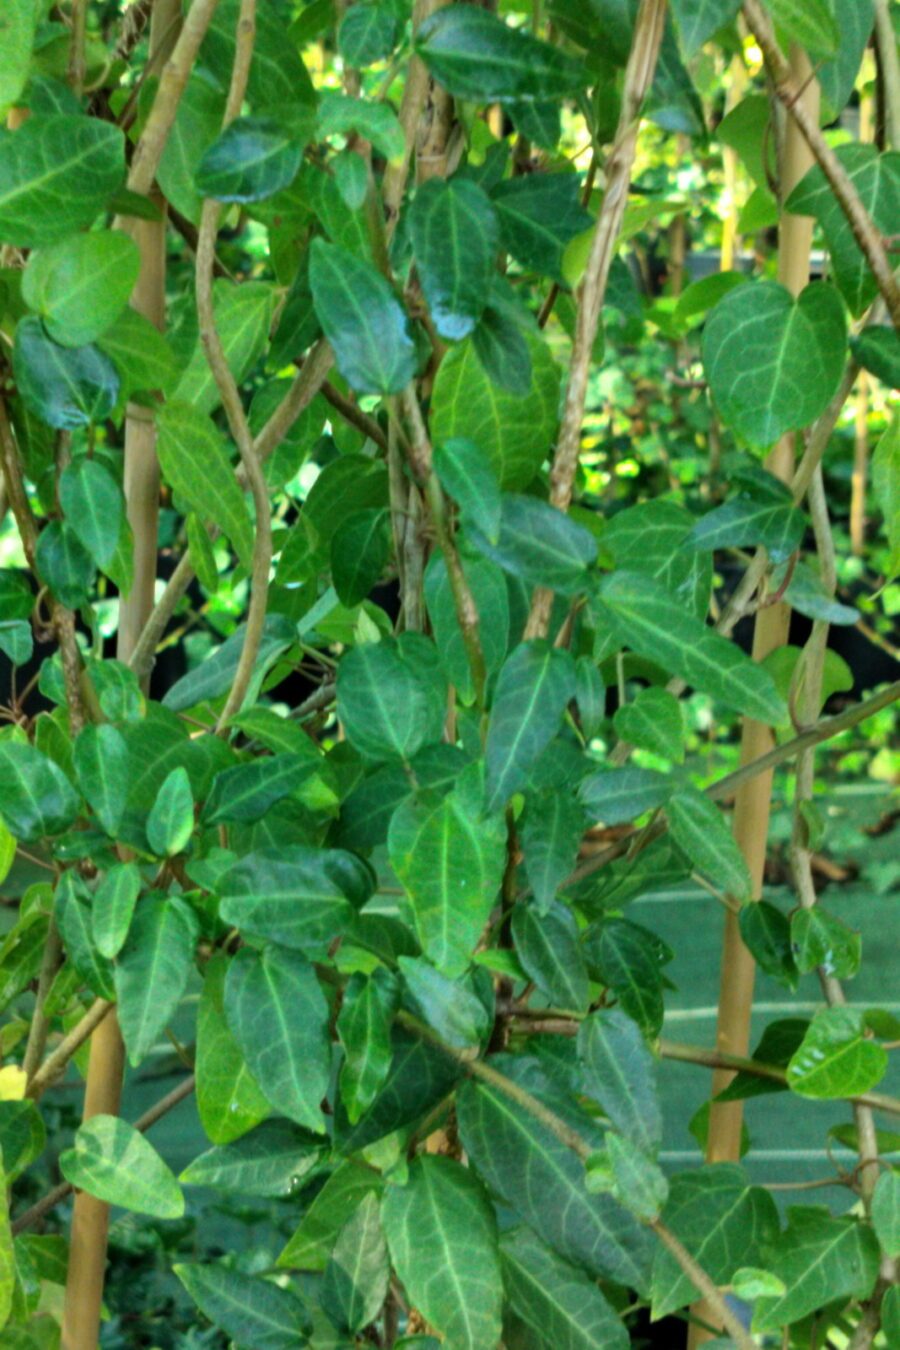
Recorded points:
(645, 45)
(230, 394)
(415, 92)
(791, 92)
(571, 1139)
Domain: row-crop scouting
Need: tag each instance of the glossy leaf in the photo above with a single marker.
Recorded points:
(391, 697)
(774, 362)
(364, 1028)
(36, 798)
(102, 768)
(540, 544)
(877, 349)
(56, 174)
(249, 1309)
(777, 526)
(550, 832)
(539, 215)
(360, 547)
(229, 1102)
(467, 475)
(243, 316)
(533, 688)
(170, 823)
(547, 947)
(279, 1018)
(489, 591)
(113, 906)
(451, 1007)
(821, 939)
(561, 1308)
(294, 895)
(623, 956)
(66, 387)
(64, 564)
(195, 462)
(362, 319)
(311, 1245)
(835, 1059)
(80, 285)
(455, 235)
(273, 1161)
(477, 56)
(653, 721)
(766, 932)
(253, 158)
(442, 1235)
(819, 1259)
(648, 539)
(620, 1073)
(93, 506)
(356, 1277)
(515, 433)
(246, 792)
(367, 33)
(701, 831)
(111, 1161)
(419, 1077)
(502, 349)
(615, 796)
(73, 918)
(152, 970)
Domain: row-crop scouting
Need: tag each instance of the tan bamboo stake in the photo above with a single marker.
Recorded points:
(90, 1216)
(860, 475)
(753, 801)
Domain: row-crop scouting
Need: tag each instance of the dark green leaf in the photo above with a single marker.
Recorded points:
(488, 587)
(702, 832)
(229, 1102)
(541, 545)
(92, 502)
(367, 34)
(456, 1013)
(359, 550)
(699, 20)
(364, 1028)
(624, 957)
(111, 1161)
(73, 918)
(533, 688)
(637, 1182)
(653, 721)
(821, 939)
(113, 907)
(467, 475)
(499, 343)
(550, 831)
(477, 56)
(56, 172)
(278, 78)
(548, 948)
(773, 362)
(195, 462)
(766, 932)
(820, 1260)
(36, 798)
(273, 1161)
(247, 791)
(66, 387)
(214, 676)
(139, 352)
(253, 158)
(810, 23)
(442, 1235)
(243, 316)
(744, 521)
(877, 349)
(358, 1271)
(620, 1073)
(22, 1136)
(102, 769)
(561, 1308)
(362, 319)
(455, 235)
(279, 1017)
(80, 285)
(649, 538)
(170, 823)
(64, 564)
(391, 697)
(615, 796)
(294, 895)
(539, 122)
(251, 1310)
(540, 214)
(335, 1204)
(420, 1076)
(152, 970)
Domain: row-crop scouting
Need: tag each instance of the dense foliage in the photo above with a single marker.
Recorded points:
(418, 428)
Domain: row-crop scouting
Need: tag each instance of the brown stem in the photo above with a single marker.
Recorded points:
(638, 76)
(55, 1063)
(40, 1022)
(78, 32)
(791, 92)
(412, 103)
(353, 414)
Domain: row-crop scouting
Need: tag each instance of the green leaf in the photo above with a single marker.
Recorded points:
(113, 906)
(357, 1275)
(360, 548)
(102, 770)
(364, 1029)
(538, 121)
(279, 1018)
(809, 23)
(278, 78)
(699, 20)
(649, 539)
(367, 34)
(17, 28)
(637, 1182)
(773, 362)
(23, 1137)
(111, 1161)
(73, 917)
(152, 970)
(467, 475)
(420, 1076)
(886, 1212)
(623, 955)
(533, 688)
(253, 158)
(777, 1043)
(615, 796)
(890, 1315)
(766, 933)
(249, 1309)
(16, 595)
(820, 1260)
(515, 433)
(229, 1102)
(723, 1223)
(36, 797)
(477, 56)
(560, 1307)
(457, 1014)
(620, 1073)
(886, 485)
(653, 721)
(214, 676)
(362, 319)
(339, 115)
(774, 524)
(649, 620)
(835, 1059)
(540, 544)
(66, 387)
(198, 122)
(488, 586)
(195, 462)
(294, 895)
(311, 1245)
(16, 640)
(701, 831)
(170, 823)
(391, 697)
(80, 285)
(243, 315)
(838, 76)
(455, 236)
(442, 1235)
(273, 1161)
(246, 791)
(64, 564)
(548, 948)
(92, 502)
(140, 353)
(550, 831)
(543, 1181)
(540, 213)
(820, 939)
(57, 172)
(502, 350)
(877, 349)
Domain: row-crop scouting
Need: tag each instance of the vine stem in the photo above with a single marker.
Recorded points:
(571, 1139)
(792, 94)
(642, 59)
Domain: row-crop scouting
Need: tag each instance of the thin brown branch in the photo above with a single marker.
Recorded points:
(353, 414)
(56, 1062)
